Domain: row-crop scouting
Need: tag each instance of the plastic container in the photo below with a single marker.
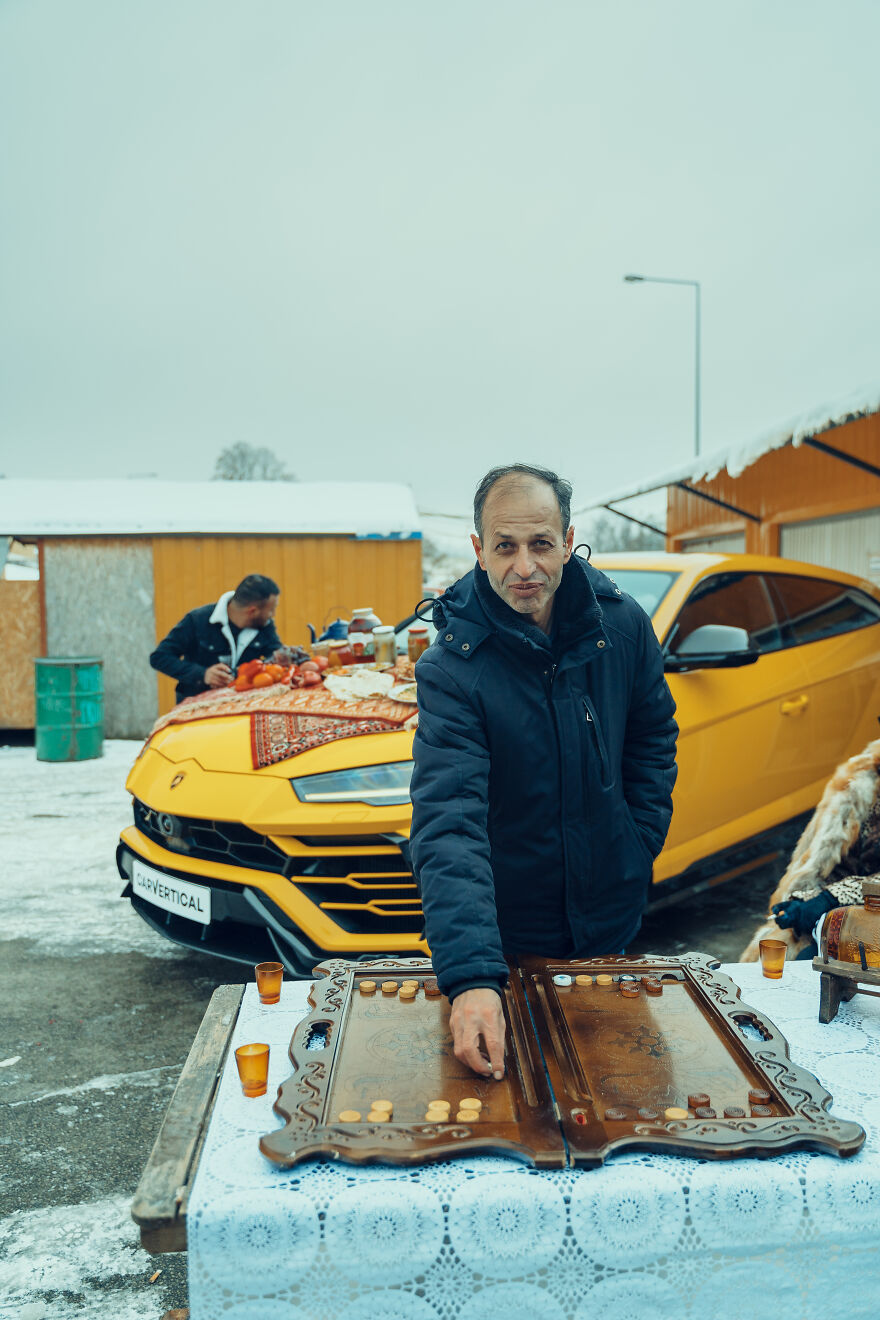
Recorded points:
(69, 708)
(384, 647)
(417, 642)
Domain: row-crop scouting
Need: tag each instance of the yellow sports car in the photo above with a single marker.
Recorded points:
(775, 670)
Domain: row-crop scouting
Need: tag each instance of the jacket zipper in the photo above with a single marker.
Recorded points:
(600, 741)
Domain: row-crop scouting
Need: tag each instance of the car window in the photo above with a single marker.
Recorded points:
(739, 600)
(813, 608)
(646, 585)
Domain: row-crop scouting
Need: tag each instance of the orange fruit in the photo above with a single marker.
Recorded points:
(262, 680)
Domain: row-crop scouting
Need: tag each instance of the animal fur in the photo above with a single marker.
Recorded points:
(831, 832)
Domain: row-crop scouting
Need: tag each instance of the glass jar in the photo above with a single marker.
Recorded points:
(848, 932)
(340, 654)
(360, 631)
(417, 642)
(384, 647)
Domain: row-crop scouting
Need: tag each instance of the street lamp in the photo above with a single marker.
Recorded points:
(695, 285)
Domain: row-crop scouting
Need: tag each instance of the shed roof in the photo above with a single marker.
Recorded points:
(737, 457)
(216, 508)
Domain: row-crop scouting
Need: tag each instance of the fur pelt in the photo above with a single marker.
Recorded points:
(831, 832)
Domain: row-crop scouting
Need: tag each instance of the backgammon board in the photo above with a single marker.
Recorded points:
(656, 1053)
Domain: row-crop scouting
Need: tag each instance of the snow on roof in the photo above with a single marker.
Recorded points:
(216, 508)
(736, 458)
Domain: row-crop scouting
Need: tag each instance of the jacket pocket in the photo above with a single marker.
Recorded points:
(594, 730)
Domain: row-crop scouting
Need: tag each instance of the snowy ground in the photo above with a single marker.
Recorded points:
(99, 1014)
(98, 1017)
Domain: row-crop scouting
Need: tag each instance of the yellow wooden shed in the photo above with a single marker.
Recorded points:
(122, 561)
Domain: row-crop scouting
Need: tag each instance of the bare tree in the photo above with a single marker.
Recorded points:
(607, 532)
(244, 462)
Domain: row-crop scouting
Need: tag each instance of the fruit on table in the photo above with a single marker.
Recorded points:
(261, 674)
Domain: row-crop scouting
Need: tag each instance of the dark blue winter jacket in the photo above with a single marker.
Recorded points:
(544, 768)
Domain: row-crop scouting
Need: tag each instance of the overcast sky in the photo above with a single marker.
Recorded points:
(386, 238)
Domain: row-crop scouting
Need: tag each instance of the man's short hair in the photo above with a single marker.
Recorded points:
(254, 588)
(560, 487)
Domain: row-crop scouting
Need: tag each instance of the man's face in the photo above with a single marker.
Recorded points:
(522, 549)
(262, 611)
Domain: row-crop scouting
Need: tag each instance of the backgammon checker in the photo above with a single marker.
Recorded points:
(655, 1053)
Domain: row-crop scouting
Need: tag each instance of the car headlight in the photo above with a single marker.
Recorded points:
(377, 785)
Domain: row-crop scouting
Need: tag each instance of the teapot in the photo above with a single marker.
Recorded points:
(336, 632)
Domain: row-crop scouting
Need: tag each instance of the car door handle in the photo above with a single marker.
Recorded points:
(795, 705)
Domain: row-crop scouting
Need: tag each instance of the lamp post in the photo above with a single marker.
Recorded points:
(695, 285)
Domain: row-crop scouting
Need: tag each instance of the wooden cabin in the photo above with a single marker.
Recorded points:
(121, 561)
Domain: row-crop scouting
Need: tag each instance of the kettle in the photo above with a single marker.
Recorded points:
(336, 632)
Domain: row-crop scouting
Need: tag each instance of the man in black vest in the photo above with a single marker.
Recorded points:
(203, 650)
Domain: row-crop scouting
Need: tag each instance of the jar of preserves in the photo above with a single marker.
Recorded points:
(384, 647)
(417, 642)
(360, 631)
(852, 934)
(340, 654)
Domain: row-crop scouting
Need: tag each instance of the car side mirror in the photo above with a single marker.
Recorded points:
(713, 646)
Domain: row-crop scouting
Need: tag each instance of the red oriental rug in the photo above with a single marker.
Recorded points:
(278, 735)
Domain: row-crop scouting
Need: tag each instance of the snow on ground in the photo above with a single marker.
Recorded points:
(58, 833)
(89, 1252)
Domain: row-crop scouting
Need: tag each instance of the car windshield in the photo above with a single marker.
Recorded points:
(647, 585)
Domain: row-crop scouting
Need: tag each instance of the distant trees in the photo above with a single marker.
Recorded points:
(608, 531)
(244, 462)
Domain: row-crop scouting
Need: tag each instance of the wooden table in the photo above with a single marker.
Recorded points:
(159, 1206)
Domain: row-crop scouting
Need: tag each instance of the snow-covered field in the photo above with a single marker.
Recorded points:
(63, 920)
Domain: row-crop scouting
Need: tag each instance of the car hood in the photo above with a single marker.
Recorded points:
(224, 744)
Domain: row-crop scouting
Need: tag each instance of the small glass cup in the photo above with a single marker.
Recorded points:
(772, 958)
(253, 1069)
(269, 976)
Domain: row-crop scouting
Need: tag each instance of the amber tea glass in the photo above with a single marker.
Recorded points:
(269, 976)
(772, 958)
(253, 1069)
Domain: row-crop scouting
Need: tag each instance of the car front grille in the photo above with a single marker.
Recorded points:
(211, 840)
(365, 893)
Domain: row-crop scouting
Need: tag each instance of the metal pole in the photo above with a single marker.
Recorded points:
(697, 375)
(657, 279)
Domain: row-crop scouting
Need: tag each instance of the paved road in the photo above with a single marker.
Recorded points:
(99, 1014)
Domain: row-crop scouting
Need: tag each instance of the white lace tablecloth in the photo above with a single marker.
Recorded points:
(644, 1237)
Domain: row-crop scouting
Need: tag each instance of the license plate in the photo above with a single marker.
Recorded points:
(166, 891)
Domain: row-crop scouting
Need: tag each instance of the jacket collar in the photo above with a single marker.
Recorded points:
(237, 645)
(470, 611)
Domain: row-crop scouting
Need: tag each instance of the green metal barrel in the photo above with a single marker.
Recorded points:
(70, 708)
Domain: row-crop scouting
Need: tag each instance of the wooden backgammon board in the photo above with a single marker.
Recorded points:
(656, 1053)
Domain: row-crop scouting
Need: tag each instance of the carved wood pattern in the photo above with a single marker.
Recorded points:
(716, 1000)
(583, 1040)
(519, 1119)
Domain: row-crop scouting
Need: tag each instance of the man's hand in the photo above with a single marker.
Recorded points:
(218, 676)
(478, 1028)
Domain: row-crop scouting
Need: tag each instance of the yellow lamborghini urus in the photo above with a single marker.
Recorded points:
(775, 670)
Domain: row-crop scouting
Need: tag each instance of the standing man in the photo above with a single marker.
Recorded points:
(544, 758)
(203, 650)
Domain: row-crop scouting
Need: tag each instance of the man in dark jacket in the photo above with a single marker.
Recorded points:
(544, 758)
(203, 650)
